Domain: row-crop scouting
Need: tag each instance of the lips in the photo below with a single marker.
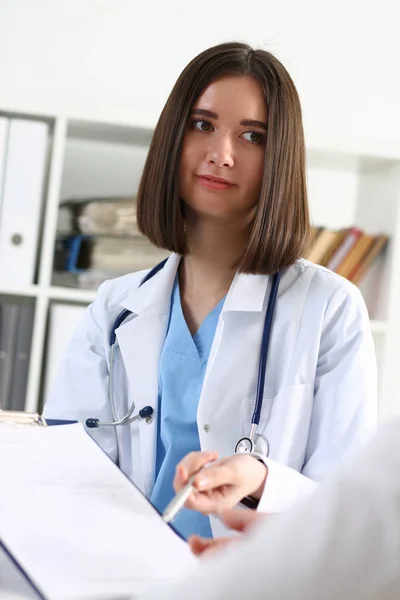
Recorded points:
(213, 182)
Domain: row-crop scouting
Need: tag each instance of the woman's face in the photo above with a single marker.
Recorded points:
(223, 150)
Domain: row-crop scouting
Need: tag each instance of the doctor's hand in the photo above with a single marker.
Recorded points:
(236, 519)
(223, 483)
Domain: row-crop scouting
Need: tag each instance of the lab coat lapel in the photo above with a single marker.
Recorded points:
(219, 408)
(232, 368)
(246, 294)
(141, 340)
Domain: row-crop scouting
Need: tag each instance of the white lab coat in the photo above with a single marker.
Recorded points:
(343, 543)
(320, 389)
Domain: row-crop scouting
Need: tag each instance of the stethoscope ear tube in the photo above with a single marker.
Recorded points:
(144, 413)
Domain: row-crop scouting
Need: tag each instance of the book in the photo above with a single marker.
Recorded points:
(9, 314)
(101, 216)
(348, 252)
(355, 254)
(324, 245)
(360, 269)
(22, 352)
(315, 231)
(16, 326)
(123, 254)
(117, 217)
(351, 237)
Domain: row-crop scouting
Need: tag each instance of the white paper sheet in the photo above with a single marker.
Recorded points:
(75, 523)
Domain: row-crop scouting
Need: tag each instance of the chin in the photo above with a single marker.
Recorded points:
(218, 212)
(221, 217)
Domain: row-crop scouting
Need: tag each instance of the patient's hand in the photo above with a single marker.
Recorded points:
(236, 519)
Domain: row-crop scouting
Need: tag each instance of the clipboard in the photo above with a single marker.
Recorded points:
(22, 418)
(176, 550)
(22, 584)
(15, 581)
(35, 419)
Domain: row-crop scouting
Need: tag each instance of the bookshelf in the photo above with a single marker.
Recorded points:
(349, 184)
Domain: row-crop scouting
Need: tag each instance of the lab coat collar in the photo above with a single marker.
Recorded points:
(246, 294)
(156, 292)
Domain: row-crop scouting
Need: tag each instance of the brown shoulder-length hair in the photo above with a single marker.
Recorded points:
(280, 230)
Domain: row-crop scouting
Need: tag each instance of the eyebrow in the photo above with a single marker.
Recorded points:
(245, 122)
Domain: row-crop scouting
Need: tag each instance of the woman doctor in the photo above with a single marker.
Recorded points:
(224, 189)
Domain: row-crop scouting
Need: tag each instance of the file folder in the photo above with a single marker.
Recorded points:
(72, 524)
(21, 207)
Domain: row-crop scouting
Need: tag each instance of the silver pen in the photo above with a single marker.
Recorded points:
(180, 498)
(178, 501)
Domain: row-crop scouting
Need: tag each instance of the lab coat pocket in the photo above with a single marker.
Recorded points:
(285, 422)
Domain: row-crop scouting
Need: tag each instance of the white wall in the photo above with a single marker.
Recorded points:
(119, 58)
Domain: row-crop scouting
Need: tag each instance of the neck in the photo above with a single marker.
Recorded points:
(214, 249)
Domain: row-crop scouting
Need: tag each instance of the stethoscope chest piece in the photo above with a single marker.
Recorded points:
(260, 445)
(244, 445)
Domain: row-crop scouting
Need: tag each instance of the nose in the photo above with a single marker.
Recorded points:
(220, 151)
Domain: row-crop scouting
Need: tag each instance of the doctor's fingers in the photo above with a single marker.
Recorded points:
(191, 464)
(215, 501)
(236, 471)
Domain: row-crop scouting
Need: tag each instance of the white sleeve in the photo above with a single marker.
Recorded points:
(343, 543)
(284, 487)
(344, 414)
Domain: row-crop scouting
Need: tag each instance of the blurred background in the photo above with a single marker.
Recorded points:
(81, 86)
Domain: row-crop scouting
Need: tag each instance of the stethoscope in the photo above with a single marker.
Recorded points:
(254, 442)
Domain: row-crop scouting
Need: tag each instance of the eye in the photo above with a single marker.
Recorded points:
(254, 137)
(202, 125)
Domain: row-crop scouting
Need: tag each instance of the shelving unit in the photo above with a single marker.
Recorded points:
(348, 185)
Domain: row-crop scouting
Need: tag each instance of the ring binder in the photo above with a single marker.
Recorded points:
(22, 418)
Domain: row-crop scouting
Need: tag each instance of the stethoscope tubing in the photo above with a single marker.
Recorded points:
(255, 420)
(265, 343)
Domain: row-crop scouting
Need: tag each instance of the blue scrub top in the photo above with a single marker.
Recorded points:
(182, 367)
